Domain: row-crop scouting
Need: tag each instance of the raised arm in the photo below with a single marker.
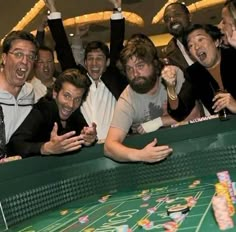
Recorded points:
(117, 31)
(40, 35)
(63, 48)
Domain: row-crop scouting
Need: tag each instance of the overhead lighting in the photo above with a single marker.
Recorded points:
(30, 15)
(99, 17)
(192, 8)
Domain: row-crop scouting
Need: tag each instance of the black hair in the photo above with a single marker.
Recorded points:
(94, 45)
(183, 7)
(74, 77)
(143, 49)
(22, 35)
(213, 31)
(46, 48)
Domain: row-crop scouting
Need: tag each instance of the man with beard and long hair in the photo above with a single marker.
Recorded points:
(142, 105)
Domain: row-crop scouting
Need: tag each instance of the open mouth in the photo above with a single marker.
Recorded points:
(175, 26)
(202, 56)
(21, 72)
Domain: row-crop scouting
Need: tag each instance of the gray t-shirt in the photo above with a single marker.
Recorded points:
(133, 108)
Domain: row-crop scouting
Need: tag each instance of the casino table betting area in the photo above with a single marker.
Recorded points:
(89, 192)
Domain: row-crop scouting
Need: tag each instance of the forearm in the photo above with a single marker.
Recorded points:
(168, 120)
(120, 152)
(23, 148)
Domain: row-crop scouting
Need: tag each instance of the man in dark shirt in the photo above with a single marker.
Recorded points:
(211, 72)
(51, 127)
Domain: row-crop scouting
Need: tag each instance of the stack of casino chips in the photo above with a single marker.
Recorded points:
(221, 212)
(222, 190)
(223, 201)
(225, 177)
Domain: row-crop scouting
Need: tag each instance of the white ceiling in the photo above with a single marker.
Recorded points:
(12, 11)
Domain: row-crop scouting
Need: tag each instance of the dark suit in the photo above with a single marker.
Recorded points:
(112, 78)
(174, 54)
(36, 128)
(202, 86)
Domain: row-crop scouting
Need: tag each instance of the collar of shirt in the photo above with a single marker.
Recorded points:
(94, 82)
(185, 54)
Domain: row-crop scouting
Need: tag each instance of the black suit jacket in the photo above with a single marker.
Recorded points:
(174, 54)
(112, 77)
(200, 85)
(36, 128)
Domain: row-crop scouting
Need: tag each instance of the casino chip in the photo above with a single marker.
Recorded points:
(123, 228)
(64, 212)
(178, 208)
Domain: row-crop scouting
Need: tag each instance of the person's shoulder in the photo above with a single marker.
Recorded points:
(46, 105)
(169, 48)
(228, 52)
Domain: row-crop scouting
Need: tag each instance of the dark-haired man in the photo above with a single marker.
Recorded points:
(177, 19)
(100, 63)
(51, 127)
(19, 52)
(141, 105)
(211, 72)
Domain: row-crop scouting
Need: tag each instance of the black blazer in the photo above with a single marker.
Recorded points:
(174, 54)
(200, 84)
(112, 77)
(36, 128)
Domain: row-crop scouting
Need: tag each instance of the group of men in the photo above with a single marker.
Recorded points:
(96, 102)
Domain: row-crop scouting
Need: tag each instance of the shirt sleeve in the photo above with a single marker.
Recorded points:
(124, 114)
(54, 15)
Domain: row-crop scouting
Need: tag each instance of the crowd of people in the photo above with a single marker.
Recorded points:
(104, 94)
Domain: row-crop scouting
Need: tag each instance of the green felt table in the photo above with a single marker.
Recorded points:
(129, 207)
(35, 191)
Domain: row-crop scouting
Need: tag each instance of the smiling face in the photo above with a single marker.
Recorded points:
(18, 62)
(176, 19)
(203, 48)
(68, 99)
(96, 63)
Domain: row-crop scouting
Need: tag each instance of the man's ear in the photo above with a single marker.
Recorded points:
(54, 94)
(108, 62)
(4, 58)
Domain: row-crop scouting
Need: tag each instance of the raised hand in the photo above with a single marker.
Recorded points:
(116, 3)
(43, 23)
(224, 100)
(61, 143)
(89, 134)
(51, 5)
(169, 75)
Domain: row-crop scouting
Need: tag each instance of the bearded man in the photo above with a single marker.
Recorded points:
(141, 106)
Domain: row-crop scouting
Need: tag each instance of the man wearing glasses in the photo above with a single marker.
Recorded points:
(19, 52)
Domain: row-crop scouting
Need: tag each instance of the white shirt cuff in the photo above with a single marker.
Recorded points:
(54, 15)
(116, 16)
(152, 125)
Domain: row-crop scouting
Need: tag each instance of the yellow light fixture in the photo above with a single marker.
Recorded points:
(199, 5)
(101, 17)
